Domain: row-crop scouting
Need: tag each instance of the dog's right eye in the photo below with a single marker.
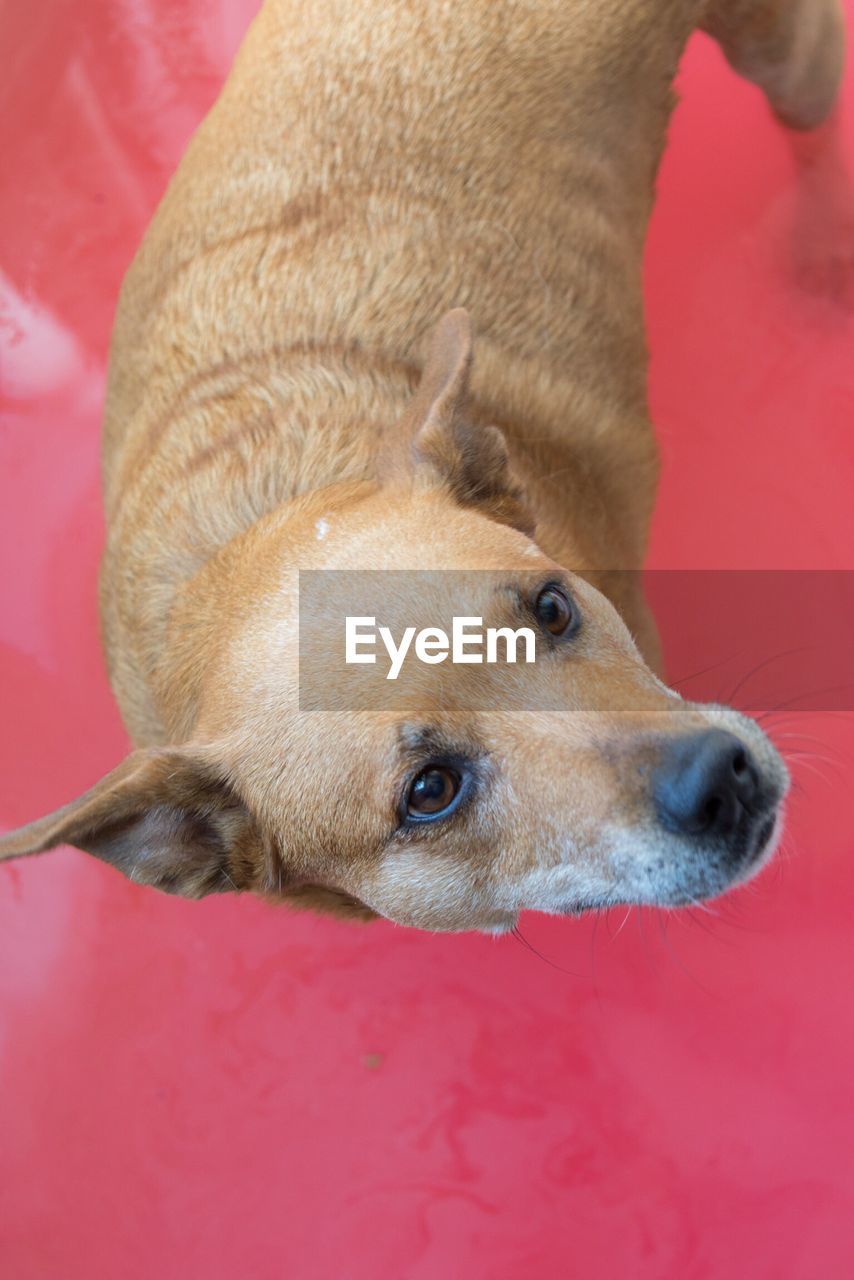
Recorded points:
(432, 793)
(555, 612)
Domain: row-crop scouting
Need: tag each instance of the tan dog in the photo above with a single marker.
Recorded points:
(367, 167)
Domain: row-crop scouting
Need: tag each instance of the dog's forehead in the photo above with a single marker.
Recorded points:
(291, 653)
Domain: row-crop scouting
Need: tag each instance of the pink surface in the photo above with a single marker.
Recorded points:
(224, 1089)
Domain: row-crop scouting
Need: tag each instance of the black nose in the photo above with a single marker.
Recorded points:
(704, 784)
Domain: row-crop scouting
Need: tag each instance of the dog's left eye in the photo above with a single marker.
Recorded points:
(554, 612)
(433, 792)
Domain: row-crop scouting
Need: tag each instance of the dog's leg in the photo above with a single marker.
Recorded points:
(793, 49)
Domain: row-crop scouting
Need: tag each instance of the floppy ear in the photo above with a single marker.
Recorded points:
(436, 443)
(163, 817)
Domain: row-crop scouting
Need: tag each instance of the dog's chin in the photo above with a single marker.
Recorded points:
(705, 880)
(500, 927)
(756, 856)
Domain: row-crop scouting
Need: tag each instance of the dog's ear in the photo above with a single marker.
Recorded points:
(164, 817)
(437, 443)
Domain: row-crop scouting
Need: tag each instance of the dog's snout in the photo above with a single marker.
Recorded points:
(704, 784)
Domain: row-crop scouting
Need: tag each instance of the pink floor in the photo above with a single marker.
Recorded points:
(223, 1089)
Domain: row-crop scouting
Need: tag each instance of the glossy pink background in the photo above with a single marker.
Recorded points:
(224, 1089)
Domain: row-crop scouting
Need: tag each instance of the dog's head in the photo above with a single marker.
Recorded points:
(468, 793)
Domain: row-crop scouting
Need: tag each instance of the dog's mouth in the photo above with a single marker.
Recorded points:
(753, 834)
(580, 906)
(763, 835)
(761, 843)
(690, 875)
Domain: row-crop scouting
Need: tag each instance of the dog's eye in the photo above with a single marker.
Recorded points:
(554, 612)
(432, 792)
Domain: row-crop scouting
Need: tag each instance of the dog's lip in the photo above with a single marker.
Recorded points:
(580, 905)
(761, 842)
(762, 821)
(766, 826)
(763, 835)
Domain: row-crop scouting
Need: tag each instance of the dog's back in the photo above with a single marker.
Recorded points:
(367, 167)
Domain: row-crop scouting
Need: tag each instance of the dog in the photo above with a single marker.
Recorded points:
(293, 387)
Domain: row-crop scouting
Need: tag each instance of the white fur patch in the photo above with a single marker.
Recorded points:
(321, 528)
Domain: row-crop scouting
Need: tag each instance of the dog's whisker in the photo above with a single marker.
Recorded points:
(760, 666)
(807, 764)
(695, 675)
(795, 754)
(829, 753)
(594, 933)
(670, 948)
(621, 926)
(815, 693)
(703, 906)
(520, 937)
